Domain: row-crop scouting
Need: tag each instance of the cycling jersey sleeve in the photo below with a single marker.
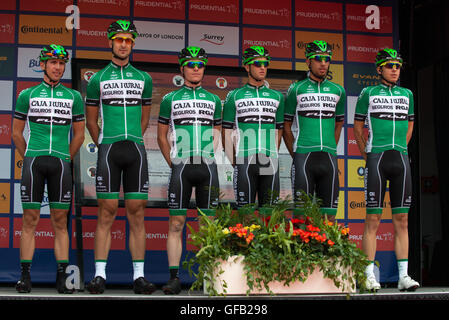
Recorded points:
(411, 106)
(22, 105)
(93, 91)
(290, 103)
(361, 108)
(147, 93)
(78, 107)
(280, 112)
(217, 113)
(229, 111)
(165, 109)
(340, 109)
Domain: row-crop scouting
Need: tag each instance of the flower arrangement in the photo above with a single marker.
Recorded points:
(275, 247)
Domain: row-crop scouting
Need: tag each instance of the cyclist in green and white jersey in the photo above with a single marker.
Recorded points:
(122, 95)
(192, 117)
(315, 108)
(253, 118)
(50, 110)
(388, 110)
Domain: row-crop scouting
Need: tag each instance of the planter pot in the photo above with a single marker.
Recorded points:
(235, 278)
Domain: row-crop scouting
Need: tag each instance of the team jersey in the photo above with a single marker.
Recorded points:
(49, 112)
(255, 113)
(388, 111)
(314, 107)
(191, 114)
(120, 92)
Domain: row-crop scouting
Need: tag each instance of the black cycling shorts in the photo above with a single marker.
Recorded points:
(197, 172)
(58, 175)
(123, 158)
(254, 175)
(393, 166)
(316, 173)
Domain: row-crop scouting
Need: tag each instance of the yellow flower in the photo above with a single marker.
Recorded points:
(225, 231)
(254, 227)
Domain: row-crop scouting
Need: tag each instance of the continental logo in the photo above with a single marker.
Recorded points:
(334, 46)
(37, 29)
(362, 204)
(357, 204)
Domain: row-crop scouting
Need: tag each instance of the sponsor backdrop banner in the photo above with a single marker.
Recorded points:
(224, 28)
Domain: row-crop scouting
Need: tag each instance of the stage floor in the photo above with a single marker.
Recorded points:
(124, 303)
(121, 293)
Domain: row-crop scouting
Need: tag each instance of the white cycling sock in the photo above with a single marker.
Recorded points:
(403, 268)
(138, 267)
(369, 271)
(100, 268)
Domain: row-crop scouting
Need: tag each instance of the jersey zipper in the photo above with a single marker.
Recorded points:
(196, 123)
(260, 122)
(321, 128)
(124, 104)
(394, 121)
(51, 120)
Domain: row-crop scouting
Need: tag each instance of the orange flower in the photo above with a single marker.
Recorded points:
(330, 242)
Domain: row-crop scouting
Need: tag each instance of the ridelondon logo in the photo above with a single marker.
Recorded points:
(221, 83)
(214, 39)
(88, 74)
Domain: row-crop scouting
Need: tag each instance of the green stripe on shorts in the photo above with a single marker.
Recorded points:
(31, 205)
(59, 205)
(177, 212)
(108, 195)
(136, 195)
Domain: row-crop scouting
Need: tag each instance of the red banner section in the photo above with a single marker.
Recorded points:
(278, 42)
(93, 33)
(44, 234)
(163, 9)
(384, 237)
(8, 5)
(214, 10)
(48, 5)
(364, 48)
(156, 235)
(118, 234)
(161, 58)
(353, 149)
(5, 128)
(7, 28)
(369, 18)
(195, 226)
(4, 232)
(318, 15)
(274, 13)
(119, 8)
